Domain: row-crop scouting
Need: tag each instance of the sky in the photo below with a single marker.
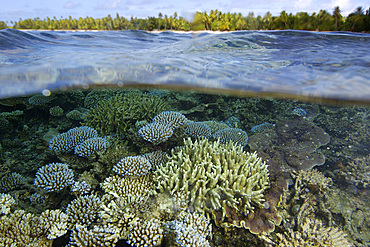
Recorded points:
(16, 9)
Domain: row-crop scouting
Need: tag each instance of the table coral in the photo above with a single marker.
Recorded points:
(238, 136)
(155, 132)
(156, 158)
(67, 141)
(213, 175)
(91, 147)
(54, 177)
(198, 129)
(172, 119)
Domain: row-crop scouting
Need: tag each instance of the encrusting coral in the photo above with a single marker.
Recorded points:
(215, 175)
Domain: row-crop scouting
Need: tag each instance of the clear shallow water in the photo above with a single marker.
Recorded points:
(327, 65)
(321, 151)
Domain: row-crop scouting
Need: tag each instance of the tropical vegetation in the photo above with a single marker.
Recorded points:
(215, 20)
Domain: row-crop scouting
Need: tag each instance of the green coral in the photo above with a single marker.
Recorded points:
(215, 176)
(119, 113)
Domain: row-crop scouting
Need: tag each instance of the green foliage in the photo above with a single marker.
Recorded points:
(119, 113)
(3, 25)
(216, 20)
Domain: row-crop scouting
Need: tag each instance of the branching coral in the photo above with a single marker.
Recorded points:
(83, 210)
(119, 113)
(214, 175)
(98, 236)
(54, 177)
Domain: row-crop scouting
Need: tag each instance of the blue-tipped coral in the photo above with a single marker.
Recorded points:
(299, 112)
(173, 119)
(237, 136)
(262, 127)
(198, 129)
(155, 132)
(54, 177)
(132, 166)
(67, 141)
(91, 147)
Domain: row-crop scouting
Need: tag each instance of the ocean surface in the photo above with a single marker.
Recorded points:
(332, 65)
(248, 138)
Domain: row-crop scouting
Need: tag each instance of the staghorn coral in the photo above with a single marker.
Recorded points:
(53, 177)
(147, 233)
(119, 113)
(172, 119)
(83, 210)
(214, 175)
(132, 166)
(6, 201)
(128, 189)
(98, 236)
(238, 136)
(155, 132)
(11, 181)
(96, 96)
(91, 147)
(67, 141)
(156, 158)
(198, 129)
(56, 111)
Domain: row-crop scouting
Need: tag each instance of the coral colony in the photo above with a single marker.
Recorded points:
(139, 173)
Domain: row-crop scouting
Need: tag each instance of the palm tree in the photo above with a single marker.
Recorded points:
(337, 16)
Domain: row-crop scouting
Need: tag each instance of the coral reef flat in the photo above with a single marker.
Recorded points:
(135, 167)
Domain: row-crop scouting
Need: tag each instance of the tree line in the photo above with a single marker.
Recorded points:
(215, 20)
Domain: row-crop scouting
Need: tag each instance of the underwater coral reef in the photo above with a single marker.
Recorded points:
(130, 167)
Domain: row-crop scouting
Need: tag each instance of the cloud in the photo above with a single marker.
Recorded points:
(109, 5)
(71, 5)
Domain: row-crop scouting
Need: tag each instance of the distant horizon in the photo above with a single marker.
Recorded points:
(22, 9)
